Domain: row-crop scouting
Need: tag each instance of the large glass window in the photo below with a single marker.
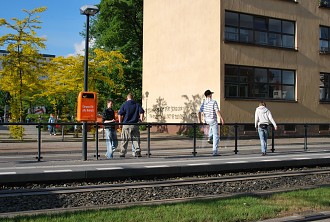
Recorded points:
(324, 87)
(259, 30)
(324, 39)
(324, 3)
(259, 83)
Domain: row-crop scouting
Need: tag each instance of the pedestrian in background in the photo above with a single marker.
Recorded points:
(211, 111)
(108, 116)
(130, 112)
(52, 127)
(262, 119)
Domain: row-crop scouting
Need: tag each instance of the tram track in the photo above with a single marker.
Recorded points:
(153, 184)
(81, 196)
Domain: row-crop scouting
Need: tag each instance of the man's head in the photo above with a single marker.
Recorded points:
(208, 93)
(109, 103)
(129, 96)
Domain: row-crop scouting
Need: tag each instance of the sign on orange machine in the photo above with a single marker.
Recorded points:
(87, 106)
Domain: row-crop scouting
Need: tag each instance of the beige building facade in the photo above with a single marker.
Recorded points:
(242, 50)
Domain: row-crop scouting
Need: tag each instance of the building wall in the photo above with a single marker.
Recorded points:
(185, 54)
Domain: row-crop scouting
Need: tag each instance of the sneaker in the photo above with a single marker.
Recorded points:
(216, 154)
(54, 134)
(263, 154)
(133, 154)
(209, 140)
(138, 155)
(122, 155)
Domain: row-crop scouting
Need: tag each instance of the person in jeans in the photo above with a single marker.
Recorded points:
(263, 117)
(51, 128)
(211, 111)
(130, 112)
(108, 116)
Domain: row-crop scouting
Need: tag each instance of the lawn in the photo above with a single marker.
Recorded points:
(225, 209)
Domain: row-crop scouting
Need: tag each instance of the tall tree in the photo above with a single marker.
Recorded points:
(65, 77)
(23, 65)
(119, 26)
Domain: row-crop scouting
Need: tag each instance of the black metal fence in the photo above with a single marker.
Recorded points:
(163, 139)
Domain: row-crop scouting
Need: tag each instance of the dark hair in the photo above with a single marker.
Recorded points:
(109, 100)
(262, 103)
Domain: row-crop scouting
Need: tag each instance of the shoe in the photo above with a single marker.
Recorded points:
(216, 154)
(122, 155)
(209, 141)
(263, 154)
(138, 155)
(133, 154)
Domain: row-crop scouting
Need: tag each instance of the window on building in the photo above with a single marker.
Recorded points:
(259, 30)
(246, 82)
(290, 128)
(324, 127)
(249, 127)
(324, 3)
(324, 39)
(324, 87)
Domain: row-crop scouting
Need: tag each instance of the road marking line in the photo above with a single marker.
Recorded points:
(56, 171)
(302, 158)
(156, 166)
(237, 162)
(270, 160)
(198, 164)
(7, 173)
(110, 168)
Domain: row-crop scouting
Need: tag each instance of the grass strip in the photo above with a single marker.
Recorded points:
(225, 209)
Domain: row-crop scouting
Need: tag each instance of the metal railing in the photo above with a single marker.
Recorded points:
(230, 133)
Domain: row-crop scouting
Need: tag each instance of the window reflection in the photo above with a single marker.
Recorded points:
(257, 82)
(259, 30)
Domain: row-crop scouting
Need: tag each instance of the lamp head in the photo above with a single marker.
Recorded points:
(89, 10)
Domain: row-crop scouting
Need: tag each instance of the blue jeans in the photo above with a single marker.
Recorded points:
(111, 141)
(263, 135)
(214, 134)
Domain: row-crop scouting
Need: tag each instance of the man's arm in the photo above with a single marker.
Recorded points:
(141, 117)
(199, 117)
(220, 116)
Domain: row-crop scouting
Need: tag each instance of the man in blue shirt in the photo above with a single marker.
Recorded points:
(130, 112)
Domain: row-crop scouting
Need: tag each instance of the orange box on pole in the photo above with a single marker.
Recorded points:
(87, 106)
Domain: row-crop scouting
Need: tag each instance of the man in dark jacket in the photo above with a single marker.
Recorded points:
(108, 116)
(130, 112)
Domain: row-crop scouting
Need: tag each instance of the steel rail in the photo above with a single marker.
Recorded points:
(151, 184)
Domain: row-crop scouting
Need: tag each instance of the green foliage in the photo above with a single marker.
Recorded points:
(16, 132)
(23, 65)
(119, 26)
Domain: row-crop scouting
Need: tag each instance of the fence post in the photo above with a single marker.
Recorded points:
(39, 142)
(148, 139)
(62, 128)
(194, 151)
(236, 137)
(97, 140)
(305, 143)
(273, 140)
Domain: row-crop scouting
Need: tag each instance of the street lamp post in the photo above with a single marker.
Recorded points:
(88, 10)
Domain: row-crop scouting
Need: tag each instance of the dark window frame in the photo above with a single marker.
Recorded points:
(324, 3)
(324, 50)
(261, 33)
(325, 88)
(251, 82)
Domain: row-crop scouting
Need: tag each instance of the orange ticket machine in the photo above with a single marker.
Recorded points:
(87, 106)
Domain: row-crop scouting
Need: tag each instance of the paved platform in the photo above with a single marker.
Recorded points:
(168, 155)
